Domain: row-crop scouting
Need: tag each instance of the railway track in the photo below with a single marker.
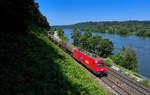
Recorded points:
(114, 86)
(129, 83)
(120, 83)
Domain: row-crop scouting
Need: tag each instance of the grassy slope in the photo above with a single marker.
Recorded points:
(44, 69)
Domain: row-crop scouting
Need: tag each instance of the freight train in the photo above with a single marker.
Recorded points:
(92, 62)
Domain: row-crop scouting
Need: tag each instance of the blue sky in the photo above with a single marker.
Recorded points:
(65, 12)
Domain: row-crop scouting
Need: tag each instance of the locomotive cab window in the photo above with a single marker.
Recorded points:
(81, 57)
(100, 64)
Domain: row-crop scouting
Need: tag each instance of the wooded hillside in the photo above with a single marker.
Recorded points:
(139, 28)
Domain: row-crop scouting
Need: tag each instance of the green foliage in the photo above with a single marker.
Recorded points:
(140, 33)
(53, 29)
(94, 44)
(60, 32)
(100, 46)
(139, 28)
(84, 40)
(106, 47)
(147, 33)
(24, 13)
(33, 15)
(126, 58)
(61, 35)
(108, 62)
(146, 82)
(76, 35)
(143, 32)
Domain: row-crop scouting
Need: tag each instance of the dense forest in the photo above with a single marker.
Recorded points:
(139, 28)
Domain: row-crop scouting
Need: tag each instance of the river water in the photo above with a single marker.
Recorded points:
(142, 46)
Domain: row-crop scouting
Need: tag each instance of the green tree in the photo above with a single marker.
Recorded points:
(140, 32)
(147, 33)
(99, 46)
(61, 35)
(84, 39)
(131, 59)
(32, 15)
(106, 47)
(126, 58)
(123, 31)
(93, 44)
(60, 32)
(76, 35)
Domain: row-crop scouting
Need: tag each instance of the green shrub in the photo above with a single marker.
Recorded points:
(146, 82)
(108, 62)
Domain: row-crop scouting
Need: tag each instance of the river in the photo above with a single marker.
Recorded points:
(142, 46)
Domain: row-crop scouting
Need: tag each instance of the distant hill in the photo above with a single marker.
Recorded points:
(139, 28)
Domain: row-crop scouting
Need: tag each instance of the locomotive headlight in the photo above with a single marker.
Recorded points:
(102, 69)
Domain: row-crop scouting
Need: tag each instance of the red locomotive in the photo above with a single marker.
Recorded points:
(92, 62)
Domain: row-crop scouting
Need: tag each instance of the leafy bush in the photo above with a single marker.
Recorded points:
(108, 62)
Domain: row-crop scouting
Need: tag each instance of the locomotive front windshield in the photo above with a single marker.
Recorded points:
(100, 64)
